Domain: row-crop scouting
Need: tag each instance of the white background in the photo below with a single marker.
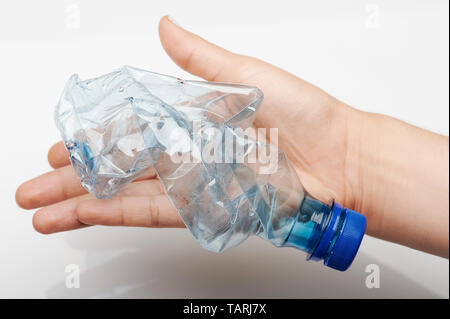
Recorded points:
(390, 57)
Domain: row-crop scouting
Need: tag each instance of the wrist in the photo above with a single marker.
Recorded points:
(399, 180)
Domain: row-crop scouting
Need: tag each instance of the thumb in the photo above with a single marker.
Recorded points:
(200, 57)
(288, 99)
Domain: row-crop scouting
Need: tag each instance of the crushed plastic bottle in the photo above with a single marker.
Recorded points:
(198, 136)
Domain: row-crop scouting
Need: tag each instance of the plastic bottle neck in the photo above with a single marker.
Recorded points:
(327, 232)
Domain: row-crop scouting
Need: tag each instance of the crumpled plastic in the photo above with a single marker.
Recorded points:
(197, 136)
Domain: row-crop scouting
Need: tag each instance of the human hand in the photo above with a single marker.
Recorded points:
(337, 151)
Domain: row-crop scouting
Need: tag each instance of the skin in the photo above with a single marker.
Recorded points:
(396, 174)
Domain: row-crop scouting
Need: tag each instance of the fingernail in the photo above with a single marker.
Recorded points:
(173, 21)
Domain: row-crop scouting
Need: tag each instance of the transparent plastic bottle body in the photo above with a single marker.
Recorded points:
(226, 182)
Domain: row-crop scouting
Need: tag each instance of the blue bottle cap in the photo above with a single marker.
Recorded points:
(348, 240)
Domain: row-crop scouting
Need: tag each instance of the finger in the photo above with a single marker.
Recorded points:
(204, 59)
(144, 211)
(200, 57)
(58, 156)
(59, 217)
(62, 216)
(56, 186)
(49, 188)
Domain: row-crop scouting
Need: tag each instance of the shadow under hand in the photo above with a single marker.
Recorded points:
(168, 263)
